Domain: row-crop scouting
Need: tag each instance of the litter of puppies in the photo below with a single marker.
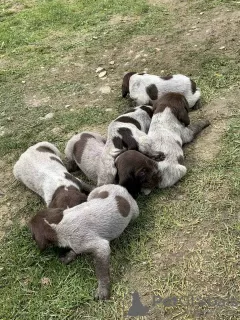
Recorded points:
(143, 150)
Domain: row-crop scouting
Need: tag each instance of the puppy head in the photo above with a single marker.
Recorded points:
(136, 171)
(125, 83)
(177, 103)
(67, 197)
(42, 232)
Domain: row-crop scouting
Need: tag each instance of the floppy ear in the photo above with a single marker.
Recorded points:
(131, 184)
(182, 116)
(125, 84)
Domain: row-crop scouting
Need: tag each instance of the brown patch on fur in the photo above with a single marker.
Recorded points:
(45, 149)
(148, 109)
(101, 195)
(180, 159)
(152, 91)
(168, 77)
(67, 197)
(136, 171)
(80, 146)
(58, 160)
(125, 84)
(42, 232)
(178, 105)
(127, 139)
(123, 206)
(193, 86)
(126, 119)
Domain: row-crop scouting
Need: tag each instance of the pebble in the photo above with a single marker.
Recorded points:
(158, 49)
(223, 47)
(111, 62)
(45, 281)
(105, 90)
(102, 74)
(137, 56)
(99, 69)
(109, 109)
(23, 81)
(47, 116)
(67, 106)
(94, 37)
(201, 13)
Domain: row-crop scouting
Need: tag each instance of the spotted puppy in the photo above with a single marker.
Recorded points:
(146, 88)
(134, 171)
(88, 227)
(40, 168)
(169, 130)
(127, 132)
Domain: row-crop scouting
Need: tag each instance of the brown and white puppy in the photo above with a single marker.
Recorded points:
(145, 88)
(169, 130)
(88, 227)
(126, 132)
(41, 169)
(134, 170)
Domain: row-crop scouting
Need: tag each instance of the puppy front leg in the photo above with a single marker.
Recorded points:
(102, 260)
(190, 132)
(69, 257)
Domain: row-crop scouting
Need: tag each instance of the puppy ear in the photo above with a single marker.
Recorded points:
(131, 184)
(125, 84)
(182, 112)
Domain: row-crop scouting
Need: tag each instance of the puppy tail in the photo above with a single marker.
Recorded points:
(125, 83)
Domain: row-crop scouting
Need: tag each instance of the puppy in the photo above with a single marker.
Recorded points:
(41, 169)
(88, 227)
(85, 149)
(146, 88)
(134, 170)
(169, 131)
(127, 132)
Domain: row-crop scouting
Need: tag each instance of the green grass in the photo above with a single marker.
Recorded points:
(185, 240)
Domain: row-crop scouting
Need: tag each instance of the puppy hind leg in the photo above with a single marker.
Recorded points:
(101, 254)
(69, 257)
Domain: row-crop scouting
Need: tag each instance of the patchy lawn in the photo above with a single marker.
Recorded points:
(186, 240)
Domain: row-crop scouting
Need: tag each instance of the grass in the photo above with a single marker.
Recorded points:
(185, 241)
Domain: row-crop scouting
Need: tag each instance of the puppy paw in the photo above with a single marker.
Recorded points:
(102, 294)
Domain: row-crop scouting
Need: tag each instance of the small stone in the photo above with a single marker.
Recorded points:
(188, 34)
(8, 204)
(111, 62)
(2, 133)
(162, 71)
(105, 90)
(201, 13)
(99, 69)
(67, 106)
(45, 281)
(194, 27)
(109, 109)
(144, 60)
(222, 48)
(47, 116)
(9, 118)
(72, 110)
(95, 37)
(195, 45)
(23, 81)
(102, 74)
(137, 56)
(145, 55)
(157, 49)
(126, 63)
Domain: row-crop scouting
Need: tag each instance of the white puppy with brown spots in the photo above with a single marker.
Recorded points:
(88, 227)
(40, 168)
(170, 130)
(134, 170)
(126, 132)
(145, 88)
